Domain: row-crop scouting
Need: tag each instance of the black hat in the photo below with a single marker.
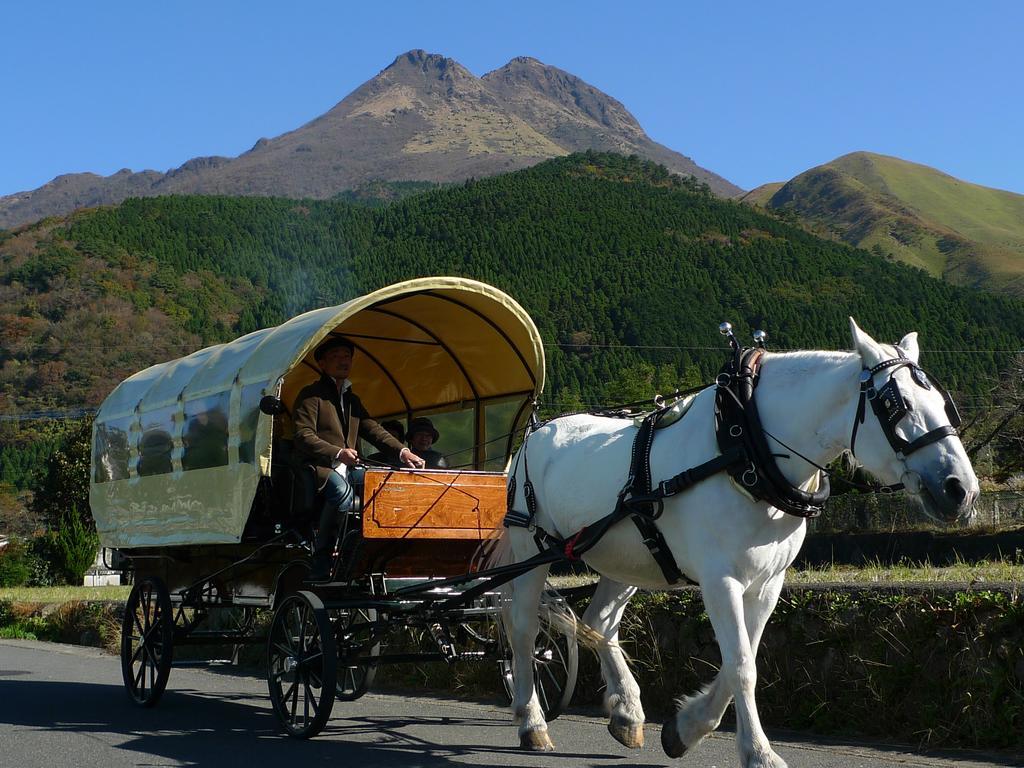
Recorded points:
(332, 342)
(395, 427)
(422, 424)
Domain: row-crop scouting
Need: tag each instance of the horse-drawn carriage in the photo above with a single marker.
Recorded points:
(196, 486)
(192, 485)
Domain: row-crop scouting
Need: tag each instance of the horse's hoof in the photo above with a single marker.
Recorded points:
(670, 740)
(536, 740)
(627, 733)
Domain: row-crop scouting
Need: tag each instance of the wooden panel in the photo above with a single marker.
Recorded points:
(423, 558)
(432, 505)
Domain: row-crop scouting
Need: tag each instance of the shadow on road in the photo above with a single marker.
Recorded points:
(202, 728)
(218, 723)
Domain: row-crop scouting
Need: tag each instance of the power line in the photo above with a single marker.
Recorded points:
(77, 413)
(559, 345)
(71, 413)
(772, 349)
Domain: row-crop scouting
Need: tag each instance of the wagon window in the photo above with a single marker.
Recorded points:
(499, 418)
(205, 435)
(111, 451)
(457, 436)
(249, 417)
(157, 441)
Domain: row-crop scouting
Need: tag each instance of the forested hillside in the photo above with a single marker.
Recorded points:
(626, 269)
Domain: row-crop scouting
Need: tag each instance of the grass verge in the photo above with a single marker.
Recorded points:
(63, 594)
(997, 571)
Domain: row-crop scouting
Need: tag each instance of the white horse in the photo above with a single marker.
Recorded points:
(736, 548)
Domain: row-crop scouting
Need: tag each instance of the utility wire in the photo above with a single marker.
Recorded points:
(557, 345)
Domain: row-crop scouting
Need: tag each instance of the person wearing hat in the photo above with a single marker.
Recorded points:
(329, 419)
(422, 435)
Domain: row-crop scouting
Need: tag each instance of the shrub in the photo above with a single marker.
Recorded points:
(15, 564)
(19, 622)
(43, 562)
(75, 546)
(63, 482)
(80, 623)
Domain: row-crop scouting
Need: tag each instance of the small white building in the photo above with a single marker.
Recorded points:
(99, 574)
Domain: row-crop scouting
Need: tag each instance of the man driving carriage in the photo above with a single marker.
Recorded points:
(329, 420)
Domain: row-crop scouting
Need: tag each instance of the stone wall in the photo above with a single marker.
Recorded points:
(930, 666)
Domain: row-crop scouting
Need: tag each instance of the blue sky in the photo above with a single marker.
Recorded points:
(754, 91)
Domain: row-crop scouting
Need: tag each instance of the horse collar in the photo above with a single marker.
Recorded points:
(739, 432)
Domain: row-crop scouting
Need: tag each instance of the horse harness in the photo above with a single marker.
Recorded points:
(745, 455)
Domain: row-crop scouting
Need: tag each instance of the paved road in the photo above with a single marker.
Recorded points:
(64, 706)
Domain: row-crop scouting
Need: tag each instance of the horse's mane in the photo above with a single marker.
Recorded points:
(809, 360)
(816, 354)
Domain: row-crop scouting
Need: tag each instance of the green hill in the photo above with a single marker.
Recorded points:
(963, 232)
(761, 195)
(603, 251)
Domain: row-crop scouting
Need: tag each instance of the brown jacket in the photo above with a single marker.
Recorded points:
(321, 430)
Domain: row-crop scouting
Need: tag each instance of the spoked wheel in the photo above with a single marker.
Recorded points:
(301, 664)
(147, 641)
(354, 631)
(555, 660)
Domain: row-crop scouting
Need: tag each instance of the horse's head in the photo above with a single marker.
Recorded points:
(909, 431)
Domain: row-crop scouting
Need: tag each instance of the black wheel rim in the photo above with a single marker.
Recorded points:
(146, 641)
(354, 630)
(301, 665)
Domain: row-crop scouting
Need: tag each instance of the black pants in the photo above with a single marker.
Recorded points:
(338, 497)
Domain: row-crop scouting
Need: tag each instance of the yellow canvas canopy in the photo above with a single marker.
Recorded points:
(178, 448)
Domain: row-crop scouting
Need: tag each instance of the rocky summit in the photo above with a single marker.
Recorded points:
(424, 118)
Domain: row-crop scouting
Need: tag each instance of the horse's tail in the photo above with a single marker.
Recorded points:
(496, 546)
(557, 611)
(498, 551)
(495, 550)
(554, 609)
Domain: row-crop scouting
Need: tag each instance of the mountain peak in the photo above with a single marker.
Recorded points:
(527, 61)
(566, 92)
(418, 60)
(425, 117)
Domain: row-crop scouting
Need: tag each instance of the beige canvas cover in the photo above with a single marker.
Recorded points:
(178, 448)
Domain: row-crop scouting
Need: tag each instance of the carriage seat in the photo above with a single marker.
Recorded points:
(288, 499)
(304, 500)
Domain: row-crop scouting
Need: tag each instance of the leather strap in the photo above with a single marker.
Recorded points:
(738, 429)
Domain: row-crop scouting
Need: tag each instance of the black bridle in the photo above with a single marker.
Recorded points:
(890, 406)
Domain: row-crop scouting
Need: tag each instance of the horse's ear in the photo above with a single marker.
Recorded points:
(908, 346)
(869, 350)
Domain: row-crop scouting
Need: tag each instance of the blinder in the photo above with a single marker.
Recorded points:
(890, 406)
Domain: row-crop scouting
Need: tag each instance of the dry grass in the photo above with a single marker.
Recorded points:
(996, 571)
(960, 573)
(65, 594)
